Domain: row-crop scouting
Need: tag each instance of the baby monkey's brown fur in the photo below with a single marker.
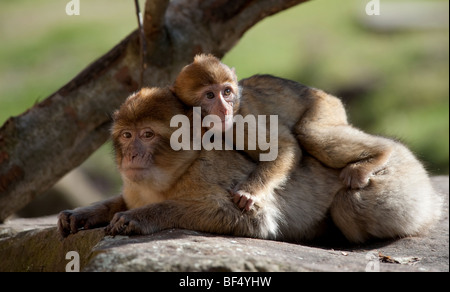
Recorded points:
(164, 188)
(308, 116)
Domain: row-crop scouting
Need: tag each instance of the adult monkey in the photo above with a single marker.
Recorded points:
(164, 188)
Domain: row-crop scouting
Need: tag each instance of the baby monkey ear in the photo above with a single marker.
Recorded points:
(234, 73)
(114, 115)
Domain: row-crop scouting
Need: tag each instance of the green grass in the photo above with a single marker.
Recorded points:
(393, 84)
(44, 52)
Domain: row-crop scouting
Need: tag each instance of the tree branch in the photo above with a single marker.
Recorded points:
(154, 17)
(143, 42)
(40, 146)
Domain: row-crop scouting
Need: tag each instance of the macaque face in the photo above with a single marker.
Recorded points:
(136, 149)
(219, 99)
(211, 85)
(141, 135)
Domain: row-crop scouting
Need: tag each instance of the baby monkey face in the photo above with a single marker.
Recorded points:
(218, 100)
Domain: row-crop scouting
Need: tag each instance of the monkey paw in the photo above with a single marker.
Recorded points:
(121, 224)
(70, 221)
(125, 223)
(355, 176)
(243, 200)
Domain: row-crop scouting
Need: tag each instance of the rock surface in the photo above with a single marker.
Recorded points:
(34, 245)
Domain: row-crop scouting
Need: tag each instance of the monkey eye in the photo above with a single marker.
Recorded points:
(148, 135)
(126, 135)
(227, 92)
(210, 95)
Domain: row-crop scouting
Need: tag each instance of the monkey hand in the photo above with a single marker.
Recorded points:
(70, 221)
(243, 199)
(129, 223)
(356, 176)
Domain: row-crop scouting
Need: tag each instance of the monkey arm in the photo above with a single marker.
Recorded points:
(269, 175)
(97, 215)
(217, 215)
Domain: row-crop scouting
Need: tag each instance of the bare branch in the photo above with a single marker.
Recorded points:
(143, 42)
(154, 16)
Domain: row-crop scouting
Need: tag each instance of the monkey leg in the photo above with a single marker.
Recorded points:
(97, 215)
(393, 206)
(323, 131)
(348, 212)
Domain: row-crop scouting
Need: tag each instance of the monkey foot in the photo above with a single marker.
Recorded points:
(355, 176)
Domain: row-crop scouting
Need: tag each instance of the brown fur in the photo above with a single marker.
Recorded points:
(307, 116)
(199, 197)
(193, 78)
(192, 191)
(318, 122)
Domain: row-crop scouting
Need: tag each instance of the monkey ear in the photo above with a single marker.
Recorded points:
(114, 115)
(234, 73)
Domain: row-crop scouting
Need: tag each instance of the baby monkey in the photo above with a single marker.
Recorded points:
(306, 116)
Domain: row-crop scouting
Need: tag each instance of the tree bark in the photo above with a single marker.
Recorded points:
(41, 145)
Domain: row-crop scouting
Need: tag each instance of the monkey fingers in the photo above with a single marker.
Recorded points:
(69, 222)
(243, 200)
(124, 223)
(117, 225)
(64, 223)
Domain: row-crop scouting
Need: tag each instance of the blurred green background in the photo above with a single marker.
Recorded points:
(393, 79)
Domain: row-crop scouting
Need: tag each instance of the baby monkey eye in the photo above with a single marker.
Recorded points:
(210, 95)
(227, 92)
(127, 135)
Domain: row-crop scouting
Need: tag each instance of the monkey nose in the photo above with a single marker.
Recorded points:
(225, 111)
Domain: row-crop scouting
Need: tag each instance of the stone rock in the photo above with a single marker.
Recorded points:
(34, 245)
